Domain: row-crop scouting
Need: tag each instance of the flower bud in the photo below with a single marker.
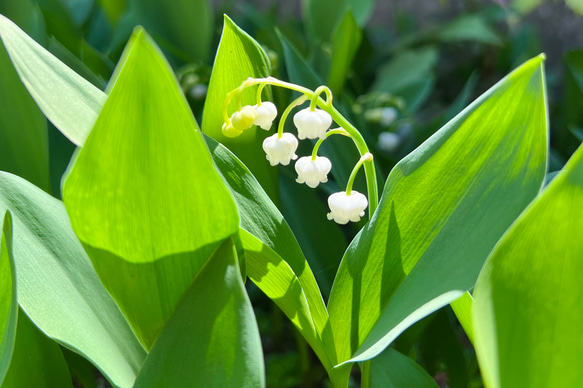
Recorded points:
(266, 113)
(312, 172)
(280, 150)
(344, 208)
(244, 118)
(230, 131)
(312, 124)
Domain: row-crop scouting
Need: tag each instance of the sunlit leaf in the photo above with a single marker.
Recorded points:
(37, 361)
(8, 302)
(67, 99)
(143, 195)
(527, 313)
(212, 339)
(83, 315)
(239, 57)
(443, 208)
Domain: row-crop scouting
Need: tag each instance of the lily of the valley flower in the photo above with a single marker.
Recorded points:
(266, 113)
(312, 172)
(244, 118)
(280, 150)
(346, 207)
(312, 124)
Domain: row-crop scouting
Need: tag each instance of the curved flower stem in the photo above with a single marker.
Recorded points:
(337, 131)
(317, 92)
(286, 112)
(364, 158)
(365, 374)
(369, 169)
(259, 91)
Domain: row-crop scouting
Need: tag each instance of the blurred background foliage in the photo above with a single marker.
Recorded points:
(399, 70)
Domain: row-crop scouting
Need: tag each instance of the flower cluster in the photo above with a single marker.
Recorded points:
(280, 148)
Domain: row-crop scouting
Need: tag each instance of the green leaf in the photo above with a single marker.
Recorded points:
(212, 339)
(8, 302)
(24, 143)
(185, 24)
(28, 16)
(321, 17)
(345, 42)
(69, 101)
(472, 27)
(527, 311)
(83, 316)
(143, 195)
(462, 308)
(392, 369)
(443, 208)
(37, 361)
(239, 57)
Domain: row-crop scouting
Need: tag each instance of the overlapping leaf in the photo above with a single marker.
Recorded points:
(443, 208)
(8, 302)
(212, 339)
(527, 314)
(37, 361)
(392, 369)
(143, 195)
(54, 274)
(239, 57)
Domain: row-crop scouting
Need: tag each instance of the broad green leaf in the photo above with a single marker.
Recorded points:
(443, 208)
(37, 361)
(392, 369)
(69, 101)
(462, 308)
(81, 369)
(75, 63)
(8, 302)
(321, 17)
(185, 24)
(83, 316)
(527, 312)
(143, 195)
(212, 339)
(574, 87)
(24, 143)
(345, 42)
(239, 57)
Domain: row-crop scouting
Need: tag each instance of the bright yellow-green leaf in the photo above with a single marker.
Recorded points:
(83, 315)
(143, 195)
(527, 311)
(8, 303)
(462, 308)
(37, 361)
(212, 339)
(69, 101)
(239, 57)
(443, 208)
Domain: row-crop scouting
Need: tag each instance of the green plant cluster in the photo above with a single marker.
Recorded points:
(148, 240)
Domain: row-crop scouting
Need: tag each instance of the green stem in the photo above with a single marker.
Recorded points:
(259, 91)
(337, 131)
(363, 158)
(369, 170)
(286, 112)
(317, 92)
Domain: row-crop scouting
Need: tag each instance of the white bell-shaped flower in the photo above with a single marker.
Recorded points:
(312, 124)
(243, 119)
(266, 113)
(312, 172)
(280, 150)
(344, 208)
